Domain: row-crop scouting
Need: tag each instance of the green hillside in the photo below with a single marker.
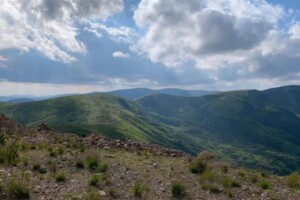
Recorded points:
(251, 128)
(257, 129)
(101, 113)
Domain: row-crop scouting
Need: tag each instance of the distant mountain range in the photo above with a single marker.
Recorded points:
(257, 129)
(126, 93)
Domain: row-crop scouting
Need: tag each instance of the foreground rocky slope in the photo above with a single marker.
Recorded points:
(46, 165)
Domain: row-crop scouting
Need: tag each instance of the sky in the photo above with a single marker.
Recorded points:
(50, 47)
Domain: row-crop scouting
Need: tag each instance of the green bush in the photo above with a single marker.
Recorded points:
(61, 177)
(264, 184)
(9, 154)
(138, 189)
(214, 189)
(19, 189)
(178, 190)
(293, 180)
(229, 182)
(95, 179)
(92, 161)
(102, 168)
(199, 164)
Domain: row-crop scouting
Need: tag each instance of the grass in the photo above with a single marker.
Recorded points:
(61, 177)
(94, 180)
(178, 190)
(138, 189)
(293, 181)
(264, 184)
(9, 154)
(92, 161)
(19, 189)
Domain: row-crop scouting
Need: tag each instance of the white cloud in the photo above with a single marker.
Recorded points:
(207, 32)
(120, 54)
(122, 34)
(48, 26)
(3, 59)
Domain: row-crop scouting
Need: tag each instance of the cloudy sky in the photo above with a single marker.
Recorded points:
(65, 46)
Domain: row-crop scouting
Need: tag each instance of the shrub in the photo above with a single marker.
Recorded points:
(208, 176)
(230, 194)
(214, 189)
(61, 177)
(254, 178)
(92, 161)
(264, 184)
(102, 168)
(264, 174)
(138, 189)
(19, 189)
(229, 182)
(9, 154)
(39, 169)
(79, 164)
(293, 181)
(94, 180)
(241, 173)
(225, 169)
(199, 164)
(91, 195)
(178, 190)
(61, 150)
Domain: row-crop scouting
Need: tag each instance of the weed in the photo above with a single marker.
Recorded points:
(138, 189)
(293, 180)
(19, 189)
(178, 190)
(264, 184)
(61, 177)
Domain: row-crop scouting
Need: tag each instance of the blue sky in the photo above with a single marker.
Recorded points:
(52, 47)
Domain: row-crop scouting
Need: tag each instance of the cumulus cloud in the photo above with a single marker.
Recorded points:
(48, 26)
(177, 31)
(120, 54)
(227, 40)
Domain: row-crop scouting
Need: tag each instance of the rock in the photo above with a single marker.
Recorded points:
(37, 189)
(102, 193)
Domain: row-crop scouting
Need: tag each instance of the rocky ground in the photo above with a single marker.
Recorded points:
(46, 165)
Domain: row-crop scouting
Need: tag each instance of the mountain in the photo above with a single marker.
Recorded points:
(256, 129)
(259, 129)
(105, 114)
(136, 93)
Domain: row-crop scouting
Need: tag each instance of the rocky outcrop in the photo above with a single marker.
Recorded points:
(102, 142)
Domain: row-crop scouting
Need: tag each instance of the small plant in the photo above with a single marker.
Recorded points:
(94, 180)
(264, 174)
(52, 153)
(92, 161)
(113, 193)
(39, 169)
(254, 178)
(178, 190)
(61, 177)
(102, 168)
(264, 184)
(230, 194)
(79, 164)
(138, 189)
(293, 181)
(9, 154)
(241, 173)
(19, 189)
(224, 169)
(61, 150)
(199, 164)
(229, 182)
(214, 189)
(91, 195)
